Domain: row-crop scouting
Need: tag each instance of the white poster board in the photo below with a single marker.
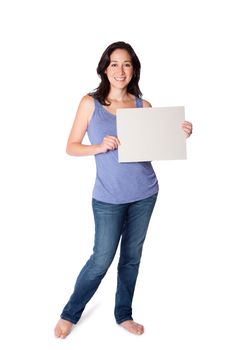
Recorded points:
(148, 134)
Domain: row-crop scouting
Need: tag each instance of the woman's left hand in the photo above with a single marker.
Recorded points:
(188, 128)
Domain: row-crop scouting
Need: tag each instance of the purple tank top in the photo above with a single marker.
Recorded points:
(116, 182)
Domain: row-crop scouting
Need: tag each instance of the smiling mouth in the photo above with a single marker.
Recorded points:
(120, 79)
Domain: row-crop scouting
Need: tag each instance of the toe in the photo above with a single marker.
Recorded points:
(63, 335)
(57, 332)
(133, 327)
(62, 329)
(140, 329)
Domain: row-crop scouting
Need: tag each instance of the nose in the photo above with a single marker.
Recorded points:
(121, 70)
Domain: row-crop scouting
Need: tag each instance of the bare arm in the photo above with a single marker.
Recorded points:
(79, 128)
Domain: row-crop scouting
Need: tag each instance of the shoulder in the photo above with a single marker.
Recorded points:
(86, 107)
(87, 101)
(146, 103)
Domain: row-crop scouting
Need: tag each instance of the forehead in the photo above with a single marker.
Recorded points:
(120, 55)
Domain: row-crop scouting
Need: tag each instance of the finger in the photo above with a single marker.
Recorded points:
(110, 144)
(187, 134)
(187, 125)
(112, 140)
(186, 129)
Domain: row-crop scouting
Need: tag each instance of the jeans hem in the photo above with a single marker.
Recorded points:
(129, 318)
(68, 319)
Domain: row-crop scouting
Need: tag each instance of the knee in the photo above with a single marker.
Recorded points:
(99, 264)
(132, 255)
(129, 261)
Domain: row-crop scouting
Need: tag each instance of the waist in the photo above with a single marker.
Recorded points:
(124, 182)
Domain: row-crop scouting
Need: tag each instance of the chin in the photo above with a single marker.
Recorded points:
(121, 84)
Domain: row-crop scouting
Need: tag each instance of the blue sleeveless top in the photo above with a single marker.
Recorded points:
(116, 182)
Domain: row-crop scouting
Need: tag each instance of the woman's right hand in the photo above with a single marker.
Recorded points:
(109, 143)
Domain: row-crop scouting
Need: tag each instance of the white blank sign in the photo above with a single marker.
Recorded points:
(148, 134)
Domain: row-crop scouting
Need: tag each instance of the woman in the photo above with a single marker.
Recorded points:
(124, 194)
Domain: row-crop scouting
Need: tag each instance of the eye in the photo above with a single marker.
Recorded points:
(128, 65)
(113, 65)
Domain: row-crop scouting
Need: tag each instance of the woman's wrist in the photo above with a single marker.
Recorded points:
(97, 149)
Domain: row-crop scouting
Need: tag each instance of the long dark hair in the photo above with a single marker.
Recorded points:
(102, 91)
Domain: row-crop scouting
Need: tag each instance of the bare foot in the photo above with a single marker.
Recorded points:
(63, 328)
(132, 327)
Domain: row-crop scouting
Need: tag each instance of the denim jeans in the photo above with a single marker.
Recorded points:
(128, 222)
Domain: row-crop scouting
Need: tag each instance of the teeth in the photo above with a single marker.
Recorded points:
(120, 79)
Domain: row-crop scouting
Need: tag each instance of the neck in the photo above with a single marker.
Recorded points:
(118, 95)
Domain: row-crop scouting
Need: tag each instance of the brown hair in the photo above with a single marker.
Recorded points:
(102, 91)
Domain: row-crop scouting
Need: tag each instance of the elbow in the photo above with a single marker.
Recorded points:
(72, 149)
(69, 149)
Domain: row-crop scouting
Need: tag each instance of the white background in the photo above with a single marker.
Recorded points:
(49, 53)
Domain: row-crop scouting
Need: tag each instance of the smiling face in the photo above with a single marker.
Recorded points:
(120, 69)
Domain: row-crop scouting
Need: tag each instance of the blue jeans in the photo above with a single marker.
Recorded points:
(128, 222)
